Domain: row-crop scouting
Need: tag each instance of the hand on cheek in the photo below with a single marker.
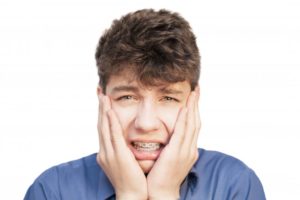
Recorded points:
(178, 157)
(115, 158)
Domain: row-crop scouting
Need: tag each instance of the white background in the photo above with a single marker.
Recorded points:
(250, 84)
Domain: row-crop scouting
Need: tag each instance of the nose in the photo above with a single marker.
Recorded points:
(146, 118)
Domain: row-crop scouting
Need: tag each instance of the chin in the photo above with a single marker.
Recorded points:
(146, 165)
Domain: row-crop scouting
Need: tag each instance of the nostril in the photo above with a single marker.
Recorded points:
(146, 124)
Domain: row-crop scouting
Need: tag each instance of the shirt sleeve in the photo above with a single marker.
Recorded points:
(38, 191)
(247, 187)
(45, 187)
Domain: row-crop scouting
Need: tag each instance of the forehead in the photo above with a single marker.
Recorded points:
(119, 83)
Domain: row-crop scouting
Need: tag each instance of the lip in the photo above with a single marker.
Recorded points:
(146, 155)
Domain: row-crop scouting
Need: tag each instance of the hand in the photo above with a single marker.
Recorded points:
(177, 158)
(115, 158)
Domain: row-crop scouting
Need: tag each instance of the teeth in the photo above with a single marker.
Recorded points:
(146, 146)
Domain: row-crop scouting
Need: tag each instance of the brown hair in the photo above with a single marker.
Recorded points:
(156, 46)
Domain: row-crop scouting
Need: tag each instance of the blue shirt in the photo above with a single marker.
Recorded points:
(215, 176)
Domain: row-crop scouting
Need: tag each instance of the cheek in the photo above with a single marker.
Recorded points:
(124, 114)
(169, 117)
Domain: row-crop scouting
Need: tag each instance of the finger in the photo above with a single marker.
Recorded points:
(190, 128)
(179, 128)
(101, 144)
(104, 129)
(197, 118)
(116, 132)
(102, 155)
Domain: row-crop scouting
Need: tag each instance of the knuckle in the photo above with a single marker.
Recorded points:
(114, 141)
(194, 155)
(193, 129)
(109, 158)
(101, 158)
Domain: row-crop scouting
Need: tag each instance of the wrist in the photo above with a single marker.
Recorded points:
(131, 197)
(164, 193)
(164, 196)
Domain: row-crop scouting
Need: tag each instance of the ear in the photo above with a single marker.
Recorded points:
(99, 91)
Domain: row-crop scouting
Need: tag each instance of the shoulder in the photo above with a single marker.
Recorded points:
(217, 161)
(221, 165)
(72, 169)
(78, 172)
(83, 165)
(227, 175)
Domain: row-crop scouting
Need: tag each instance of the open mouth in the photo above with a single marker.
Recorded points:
(147, 146)
(149, 150)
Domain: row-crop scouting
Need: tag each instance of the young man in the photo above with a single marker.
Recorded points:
(149, 65)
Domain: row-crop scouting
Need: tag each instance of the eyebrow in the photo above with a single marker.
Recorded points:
(170, 91)
(128, 88)
(124, 88)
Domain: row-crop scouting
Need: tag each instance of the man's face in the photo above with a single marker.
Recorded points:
(147, 115)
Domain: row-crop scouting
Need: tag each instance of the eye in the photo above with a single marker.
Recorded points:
(125, 97)
(167, 98)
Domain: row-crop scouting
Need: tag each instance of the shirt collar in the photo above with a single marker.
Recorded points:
(193, 178)
(189, 184)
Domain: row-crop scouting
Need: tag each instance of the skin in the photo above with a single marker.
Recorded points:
(147, 114)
